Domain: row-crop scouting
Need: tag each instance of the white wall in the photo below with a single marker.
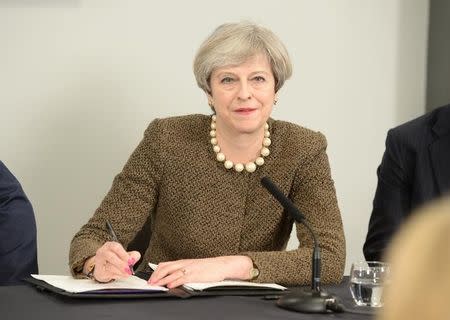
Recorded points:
(80, 81)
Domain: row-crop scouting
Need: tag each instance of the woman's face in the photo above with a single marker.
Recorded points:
(243, 95)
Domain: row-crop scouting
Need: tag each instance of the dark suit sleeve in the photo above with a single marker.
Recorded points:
(392, 198)
(18, 249)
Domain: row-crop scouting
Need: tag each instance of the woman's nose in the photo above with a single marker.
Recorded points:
(244, 91)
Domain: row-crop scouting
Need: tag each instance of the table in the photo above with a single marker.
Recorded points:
(26, 302)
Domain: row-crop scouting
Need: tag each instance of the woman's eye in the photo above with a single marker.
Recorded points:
(259, 79)
(227, 80)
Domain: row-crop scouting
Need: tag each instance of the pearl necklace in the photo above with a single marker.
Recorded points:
(249, 166)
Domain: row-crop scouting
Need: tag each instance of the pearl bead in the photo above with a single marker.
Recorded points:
(220, 157)
(250, 167)
(239, 167)
(228, 164)
(259, 161)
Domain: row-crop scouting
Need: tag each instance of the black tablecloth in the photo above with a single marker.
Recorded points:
(27, 302)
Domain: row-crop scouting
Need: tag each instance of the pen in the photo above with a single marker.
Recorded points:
(113, 235)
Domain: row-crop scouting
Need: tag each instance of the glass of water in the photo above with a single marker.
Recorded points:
(367, 279)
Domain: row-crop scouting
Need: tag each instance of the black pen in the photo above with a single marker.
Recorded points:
(113, 235)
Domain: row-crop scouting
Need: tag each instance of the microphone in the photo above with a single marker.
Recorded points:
(285, 201)
(308, 301)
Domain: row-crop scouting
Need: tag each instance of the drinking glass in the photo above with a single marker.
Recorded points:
(367, 279)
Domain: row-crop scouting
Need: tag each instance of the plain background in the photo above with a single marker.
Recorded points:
(81, 80)
(438, 54)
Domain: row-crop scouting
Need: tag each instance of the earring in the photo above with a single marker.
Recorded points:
(275, 102)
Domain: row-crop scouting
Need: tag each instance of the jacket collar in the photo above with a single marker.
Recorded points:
(440, 149)
(442, 121)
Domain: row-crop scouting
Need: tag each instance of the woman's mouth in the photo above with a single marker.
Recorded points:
(245, 111)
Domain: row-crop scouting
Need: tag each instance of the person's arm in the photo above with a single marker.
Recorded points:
(18, 248)
(127, 205)
(314, 194)
(392, 200)
(175, 273)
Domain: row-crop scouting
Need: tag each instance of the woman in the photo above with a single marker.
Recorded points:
(195, 181)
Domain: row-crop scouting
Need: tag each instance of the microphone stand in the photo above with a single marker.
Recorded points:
(307, 300)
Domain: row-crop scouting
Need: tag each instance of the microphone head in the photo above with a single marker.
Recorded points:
(274, 190)
(282, 199)
(267, 183)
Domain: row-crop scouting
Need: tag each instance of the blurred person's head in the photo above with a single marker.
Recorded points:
(420, 271)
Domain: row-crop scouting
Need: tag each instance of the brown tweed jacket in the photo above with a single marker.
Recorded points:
(196, 208)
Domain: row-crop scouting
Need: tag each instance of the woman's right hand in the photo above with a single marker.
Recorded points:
(112, 262)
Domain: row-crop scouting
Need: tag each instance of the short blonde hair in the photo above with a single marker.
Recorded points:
(420, 257)
(233, 44)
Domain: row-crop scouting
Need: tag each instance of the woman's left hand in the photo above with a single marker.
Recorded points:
(175, 273)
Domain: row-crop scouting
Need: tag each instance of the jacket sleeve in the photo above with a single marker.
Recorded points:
(392, 197)
(314, 194)
(18, 247)
(128, 204)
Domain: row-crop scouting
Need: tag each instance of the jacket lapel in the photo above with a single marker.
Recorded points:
(440, 150)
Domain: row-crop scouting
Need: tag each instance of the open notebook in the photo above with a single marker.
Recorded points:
(69, 284)
(134, 287)
(227, 285)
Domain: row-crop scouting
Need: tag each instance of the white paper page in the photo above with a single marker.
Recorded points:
(198, 286)
(69, 284)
